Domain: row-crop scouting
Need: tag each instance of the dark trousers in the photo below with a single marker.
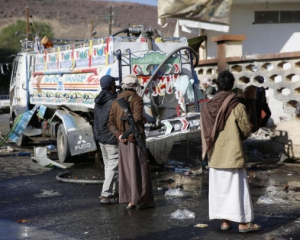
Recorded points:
(262, 122)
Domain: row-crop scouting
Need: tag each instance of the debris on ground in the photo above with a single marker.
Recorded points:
(264, 200)
(274, 196)
(262, 134)
(19, 154)
(181, 169)
(23, 221)
(10, 149)
(171, 163)
(183, 214)
(197, 171)
(175, 192)
(48, 193)
(51, 147)
(180, 186)
(168, 180)
(283, 157)
(40, 155)
(201, 225)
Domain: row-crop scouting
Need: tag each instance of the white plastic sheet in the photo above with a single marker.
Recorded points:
(183, 214)
(175, 192)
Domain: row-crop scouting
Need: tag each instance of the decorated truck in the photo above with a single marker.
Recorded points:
(52, 89)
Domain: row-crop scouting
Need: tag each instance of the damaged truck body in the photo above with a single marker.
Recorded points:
(52, 90)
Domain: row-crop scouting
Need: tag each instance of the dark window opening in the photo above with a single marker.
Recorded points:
(269, 17)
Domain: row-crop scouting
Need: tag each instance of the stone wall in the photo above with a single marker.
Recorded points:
(281, 79)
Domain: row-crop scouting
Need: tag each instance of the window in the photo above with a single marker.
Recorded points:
(265, 17)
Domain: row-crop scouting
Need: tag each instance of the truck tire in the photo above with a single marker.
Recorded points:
(63, 150)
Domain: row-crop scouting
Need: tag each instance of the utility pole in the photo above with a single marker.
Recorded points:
(92, 28)
(110, 20)
(27, 22)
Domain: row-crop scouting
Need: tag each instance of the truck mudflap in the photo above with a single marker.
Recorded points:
(81, 141)
(80, 137)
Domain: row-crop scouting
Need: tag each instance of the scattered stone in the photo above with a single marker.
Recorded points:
(48, 193)
(201, 225)
(23, 220)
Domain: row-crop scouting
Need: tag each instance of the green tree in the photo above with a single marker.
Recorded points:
(10, 36)
(10, 44)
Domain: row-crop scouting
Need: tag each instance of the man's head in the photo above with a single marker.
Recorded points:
(129, 82)
(225, 81)
(108, 82)
(206, 82)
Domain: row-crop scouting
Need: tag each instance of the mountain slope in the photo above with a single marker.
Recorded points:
(73, 18)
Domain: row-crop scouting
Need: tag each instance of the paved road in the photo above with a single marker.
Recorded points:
(77, 213)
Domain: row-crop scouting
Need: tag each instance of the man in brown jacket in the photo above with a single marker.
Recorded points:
(224, 124)
(135, 186)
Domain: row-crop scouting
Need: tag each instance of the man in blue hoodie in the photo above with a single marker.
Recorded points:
(108, 142)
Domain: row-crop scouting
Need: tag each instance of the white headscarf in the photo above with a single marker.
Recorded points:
(131, 82)
(207, 81)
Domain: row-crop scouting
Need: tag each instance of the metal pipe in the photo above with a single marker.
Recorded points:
(60, 178)
(165, 60)
(126, 30)
(119, 57)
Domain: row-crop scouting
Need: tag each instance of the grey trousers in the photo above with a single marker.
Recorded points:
(110, 159)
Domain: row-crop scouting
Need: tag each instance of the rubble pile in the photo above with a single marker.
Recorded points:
(262, 134)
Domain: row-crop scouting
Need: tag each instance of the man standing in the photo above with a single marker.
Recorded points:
(108, 142)
(224, 124)
(262, 105)
(207, 87)
(135, 186)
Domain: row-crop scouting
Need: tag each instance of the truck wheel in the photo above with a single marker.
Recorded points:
(63, 150)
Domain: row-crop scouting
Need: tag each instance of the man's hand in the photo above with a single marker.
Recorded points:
(122, 140)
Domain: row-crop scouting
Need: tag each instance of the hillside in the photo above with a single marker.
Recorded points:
(73, 18)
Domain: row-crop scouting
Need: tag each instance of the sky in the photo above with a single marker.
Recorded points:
(148, 2)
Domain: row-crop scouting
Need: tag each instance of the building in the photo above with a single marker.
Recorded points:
(262, 41)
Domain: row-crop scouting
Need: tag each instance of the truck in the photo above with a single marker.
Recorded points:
(4, 103)
(52, 89)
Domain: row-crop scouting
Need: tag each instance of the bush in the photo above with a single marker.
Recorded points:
(9, 40)
(10, 43)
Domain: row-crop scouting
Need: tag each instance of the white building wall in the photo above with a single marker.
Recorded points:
(260, 38)
(277, 108)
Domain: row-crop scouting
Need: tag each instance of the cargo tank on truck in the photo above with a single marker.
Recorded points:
(52, 89)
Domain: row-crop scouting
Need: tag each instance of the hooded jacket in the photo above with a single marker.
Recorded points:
(101, 112)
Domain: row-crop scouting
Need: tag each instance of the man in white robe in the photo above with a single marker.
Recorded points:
(224, 124)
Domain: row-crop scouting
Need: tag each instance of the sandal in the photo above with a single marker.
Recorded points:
(251, 228)
(225, 228)
(130, 206)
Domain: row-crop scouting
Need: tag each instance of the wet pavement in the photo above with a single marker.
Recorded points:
(78, 214)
